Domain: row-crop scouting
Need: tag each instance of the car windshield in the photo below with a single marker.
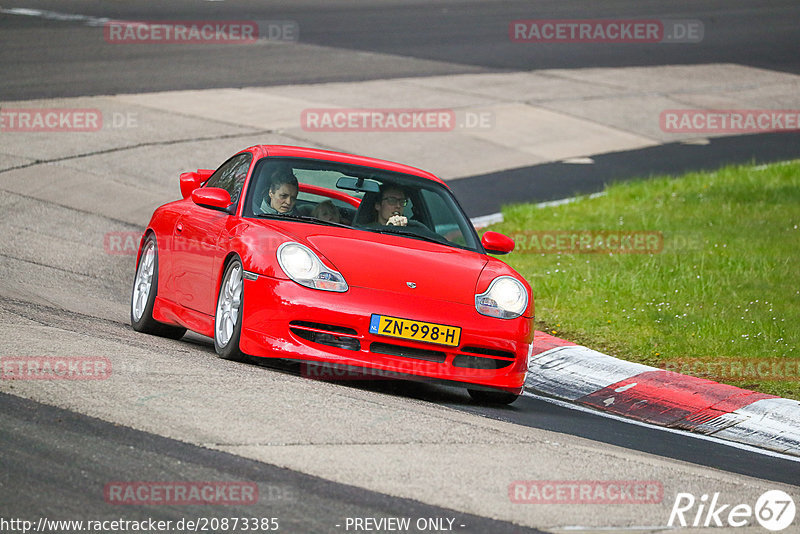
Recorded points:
(359, 197)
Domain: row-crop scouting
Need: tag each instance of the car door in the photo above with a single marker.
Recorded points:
(200, 240)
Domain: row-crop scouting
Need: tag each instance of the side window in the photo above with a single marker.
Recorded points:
(230, 176)
(441, 214)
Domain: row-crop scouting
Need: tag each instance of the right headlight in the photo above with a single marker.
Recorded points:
(304, 267)
(506, 298)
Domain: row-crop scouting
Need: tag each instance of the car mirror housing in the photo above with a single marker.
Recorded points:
(496, 243)
(192, 180)
(358, 184)
(213, 198)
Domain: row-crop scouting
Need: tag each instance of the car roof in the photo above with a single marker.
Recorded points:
(340, 157)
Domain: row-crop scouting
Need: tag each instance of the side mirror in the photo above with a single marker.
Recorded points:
(192, 180)
(213, 198)
(496, 243)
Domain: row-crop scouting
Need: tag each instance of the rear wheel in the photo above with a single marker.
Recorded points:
(228, 317)
(492, 397)
(143, 295)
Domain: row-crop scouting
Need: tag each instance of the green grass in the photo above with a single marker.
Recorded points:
(724, 288)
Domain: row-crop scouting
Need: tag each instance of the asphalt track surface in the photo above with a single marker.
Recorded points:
(74, 454)
(43, 58)
(60, 461)
(487, 194)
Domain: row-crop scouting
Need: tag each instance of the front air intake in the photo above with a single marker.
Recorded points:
(408, 352)
(331, 335)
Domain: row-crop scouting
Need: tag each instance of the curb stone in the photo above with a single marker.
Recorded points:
(578, 374)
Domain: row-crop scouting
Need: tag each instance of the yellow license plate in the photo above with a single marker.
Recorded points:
(416, 330)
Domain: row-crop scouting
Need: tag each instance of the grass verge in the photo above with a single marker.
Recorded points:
(718, 296)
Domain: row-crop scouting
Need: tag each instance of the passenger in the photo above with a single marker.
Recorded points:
(327, 212)
(282, 194)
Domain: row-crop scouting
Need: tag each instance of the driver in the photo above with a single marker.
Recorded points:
(282, 194)
(390, 206)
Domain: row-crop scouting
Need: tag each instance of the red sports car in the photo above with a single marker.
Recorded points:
(336, 260)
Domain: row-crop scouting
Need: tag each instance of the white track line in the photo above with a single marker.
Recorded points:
(54, 15)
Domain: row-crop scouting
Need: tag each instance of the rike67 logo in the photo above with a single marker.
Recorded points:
(774, 510)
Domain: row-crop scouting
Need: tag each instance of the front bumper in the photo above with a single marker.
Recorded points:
(282, 319)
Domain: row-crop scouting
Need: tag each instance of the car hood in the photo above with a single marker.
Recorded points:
(402, 265)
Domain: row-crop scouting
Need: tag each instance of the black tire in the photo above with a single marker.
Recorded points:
(228, 313)
(143, 295)
(492, 397)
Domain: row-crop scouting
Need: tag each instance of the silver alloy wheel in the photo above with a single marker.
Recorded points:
(144, 280)
(230, 300)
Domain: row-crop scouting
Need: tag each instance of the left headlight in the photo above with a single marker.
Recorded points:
(506, 298)
(304, 267)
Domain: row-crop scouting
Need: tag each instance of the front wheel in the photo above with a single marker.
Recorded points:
(143, 295)
(228, 317)
(492, 397)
